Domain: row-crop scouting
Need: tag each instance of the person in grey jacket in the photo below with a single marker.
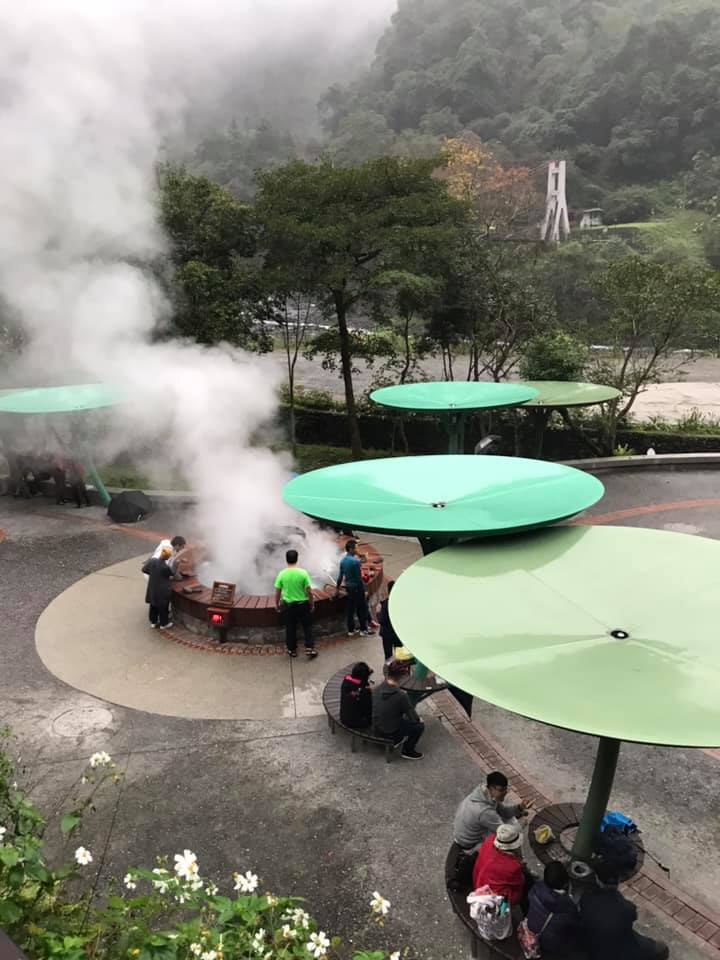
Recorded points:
(482, 812)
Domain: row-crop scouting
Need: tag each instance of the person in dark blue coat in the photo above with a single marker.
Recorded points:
(552, 913)
(607, 920)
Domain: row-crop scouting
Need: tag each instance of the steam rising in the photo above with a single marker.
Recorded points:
(89, 92)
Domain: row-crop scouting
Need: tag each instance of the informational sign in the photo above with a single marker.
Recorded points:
(223, 594)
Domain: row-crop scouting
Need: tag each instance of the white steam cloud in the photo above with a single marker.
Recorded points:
(89, 91)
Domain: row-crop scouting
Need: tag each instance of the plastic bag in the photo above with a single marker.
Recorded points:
(491, 914)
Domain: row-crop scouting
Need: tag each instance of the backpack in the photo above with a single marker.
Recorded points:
(617, 850)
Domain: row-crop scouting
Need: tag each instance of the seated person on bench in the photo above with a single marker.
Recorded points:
(356, 698)
(482, 812)
(394, 716)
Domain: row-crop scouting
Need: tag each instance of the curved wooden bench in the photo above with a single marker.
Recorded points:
(331, 703)
(481, 949)
(566, 816)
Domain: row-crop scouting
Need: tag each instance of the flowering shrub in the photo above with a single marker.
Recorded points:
(169, 912)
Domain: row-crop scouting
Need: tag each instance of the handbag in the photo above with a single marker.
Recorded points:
(491, 914)
(529, 941)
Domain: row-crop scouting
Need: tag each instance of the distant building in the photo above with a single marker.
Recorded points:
(591, 218)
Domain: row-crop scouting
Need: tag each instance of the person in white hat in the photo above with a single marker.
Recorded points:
(499, 864)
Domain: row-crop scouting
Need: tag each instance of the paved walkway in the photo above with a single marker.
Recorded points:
(276, 792)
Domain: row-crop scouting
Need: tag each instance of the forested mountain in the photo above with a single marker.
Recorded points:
(629, 89)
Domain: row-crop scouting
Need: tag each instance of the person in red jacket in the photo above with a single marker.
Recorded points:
(499, 865)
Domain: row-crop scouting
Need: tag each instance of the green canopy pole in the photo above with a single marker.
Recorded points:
(456, 432)
(96, 481)
(597, 799)
(81, 452)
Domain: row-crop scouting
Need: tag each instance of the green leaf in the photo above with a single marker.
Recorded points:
(9, 912)
(9, 856)
(69, 822)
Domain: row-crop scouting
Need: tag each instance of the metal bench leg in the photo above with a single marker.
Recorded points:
(353, 744)
(474, 947)
(388, 753)
(332, 725)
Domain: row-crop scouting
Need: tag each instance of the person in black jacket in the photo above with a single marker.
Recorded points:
(607, 920)
(159, 590)
(390, 639)
(355, 698)
(552, 913)
(394, 716)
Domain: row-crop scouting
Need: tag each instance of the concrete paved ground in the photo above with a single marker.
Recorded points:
(282, 796)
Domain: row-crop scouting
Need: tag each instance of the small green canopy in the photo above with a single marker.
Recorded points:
(559, 393)
(452, 396)
(527, 623)
(447, 495)
(68, 399)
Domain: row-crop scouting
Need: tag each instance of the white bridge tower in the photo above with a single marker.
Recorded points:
(556, 224)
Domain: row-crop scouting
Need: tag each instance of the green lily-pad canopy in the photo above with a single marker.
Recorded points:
(559, 393)
(446, 495)
(453, 396)
(527, 623)
(68, 399)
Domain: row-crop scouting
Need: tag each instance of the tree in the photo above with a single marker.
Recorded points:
(335, 230)
(503, 200)
(654, 309)
(554, 356)
(489, 307)
(214, 286)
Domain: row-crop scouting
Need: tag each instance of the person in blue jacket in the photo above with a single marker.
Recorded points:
(351, 575)
(552, 913)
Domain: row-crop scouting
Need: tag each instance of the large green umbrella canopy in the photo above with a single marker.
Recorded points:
(551, 394)
(608, 631)
(68, 399)
(452, 400)
(543, 646)
(451, 396)
(443, 496)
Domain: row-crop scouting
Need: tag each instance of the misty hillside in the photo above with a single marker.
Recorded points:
(626, 88)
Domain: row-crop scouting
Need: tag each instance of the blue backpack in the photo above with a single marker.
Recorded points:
(619, 822)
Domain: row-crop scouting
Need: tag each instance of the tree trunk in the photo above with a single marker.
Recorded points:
(346, 365)
(291, 402)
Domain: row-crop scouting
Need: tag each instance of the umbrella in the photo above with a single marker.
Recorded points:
(64, 400)
(129, 506)
(608, 631)
(67, 399)
(453, 399)
(441, 498)
(559, 395)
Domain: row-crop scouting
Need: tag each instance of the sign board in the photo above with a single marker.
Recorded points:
(223, 594)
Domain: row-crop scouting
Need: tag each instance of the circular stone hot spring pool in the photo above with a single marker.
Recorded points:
(253, 619)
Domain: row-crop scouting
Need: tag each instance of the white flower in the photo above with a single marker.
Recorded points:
(258, 943)
(209, 955)
(129, 881)
(100, 759)
(162, 884)
(271, 900)
(197, 884)
(395, 955)
(299, 918)
(318, 945)
(14, 784)
(83, 779)
(83, 856)
(211, 888)
(245, 882)
(3, 831)
(288, 932)
(186, 865)
(196, 949)
(379, 904)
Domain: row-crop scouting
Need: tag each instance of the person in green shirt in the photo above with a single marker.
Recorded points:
(294, 596)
